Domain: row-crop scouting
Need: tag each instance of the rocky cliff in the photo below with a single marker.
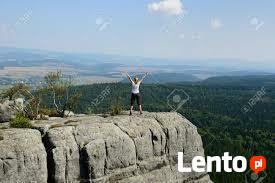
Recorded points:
(120, 149)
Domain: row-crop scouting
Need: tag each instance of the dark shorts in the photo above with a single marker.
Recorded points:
(136, 97)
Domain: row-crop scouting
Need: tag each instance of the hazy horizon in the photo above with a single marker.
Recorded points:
(225, 63)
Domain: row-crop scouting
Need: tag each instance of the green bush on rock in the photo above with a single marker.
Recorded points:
(20, 121)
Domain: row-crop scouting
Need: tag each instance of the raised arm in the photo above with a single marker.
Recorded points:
(143, 77)
(129, 77)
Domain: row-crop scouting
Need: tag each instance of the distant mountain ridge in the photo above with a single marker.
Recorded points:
(166, 78)
(249, 80)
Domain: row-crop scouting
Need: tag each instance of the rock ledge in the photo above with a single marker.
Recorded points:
(120, 149)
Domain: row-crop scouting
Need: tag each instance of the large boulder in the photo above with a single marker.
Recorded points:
(123, 149)
(22, 156)
(9, 108)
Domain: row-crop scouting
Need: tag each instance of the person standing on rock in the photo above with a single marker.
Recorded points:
(135, 95)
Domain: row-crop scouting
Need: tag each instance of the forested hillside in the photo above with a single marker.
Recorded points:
(218, 111)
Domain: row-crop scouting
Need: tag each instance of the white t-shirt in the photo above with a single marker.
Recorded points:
(135, 87)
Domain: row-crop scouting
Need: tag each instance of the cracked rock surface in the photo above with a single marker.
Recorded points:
(22, 156)
(122, 149)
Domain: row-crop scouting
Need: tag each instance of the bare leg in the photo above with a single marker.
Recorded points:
(140, 109)
(131, 110)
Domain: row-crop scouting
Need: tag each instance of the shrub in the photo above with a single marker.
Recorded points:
(20, 122)
(116, 110)
(1, 138)
(58, 89)
(49, 112)
(15, 91)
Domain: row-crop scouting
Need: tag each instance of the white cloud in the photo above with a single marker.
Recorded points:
(170, 7)
(216, 23)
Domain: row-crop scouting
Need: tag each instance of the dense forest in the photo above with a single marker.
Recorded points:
(230, 118)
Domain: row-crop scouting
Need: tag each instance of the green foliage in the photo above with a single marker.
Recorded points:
(15, 91)
(116, 108)
(21, 90)
(31, 110)
(49, 112)
(20, 121)
(58, 91)
(56, 96)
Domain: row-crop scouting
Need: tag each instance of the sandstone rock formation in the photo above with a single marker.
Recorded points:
(121, 149)
(22, 156)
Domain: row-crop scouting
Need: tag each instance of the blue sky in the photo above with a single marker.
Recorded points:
(189, 29)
